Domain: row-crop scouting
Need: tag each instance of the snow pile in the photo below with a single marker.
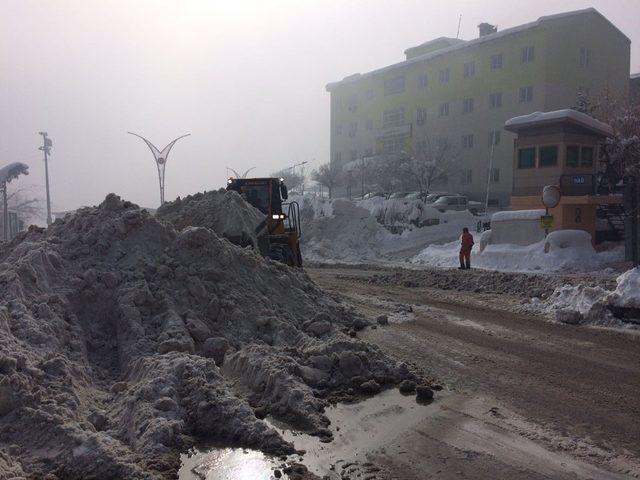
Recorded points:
(342, 230)
(122, 341)
(627, 293)
(562, 250)
(402, 211)
(595, 305)
(224, 212)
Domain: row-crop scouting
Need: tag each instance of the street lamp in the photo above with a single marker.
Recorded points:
(161, 158)
(46, 148)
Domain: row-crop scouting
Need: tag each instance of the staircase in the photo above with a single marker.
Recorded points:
(614, 215)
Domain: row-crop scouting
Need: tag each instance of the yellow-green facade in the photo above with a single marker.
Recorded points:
(543, 66)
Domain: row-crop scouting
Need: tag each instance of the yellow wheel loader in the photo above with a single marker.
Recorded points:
(279, 234)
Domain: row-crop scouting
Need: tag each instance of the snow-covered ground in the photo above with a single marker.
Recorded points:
(568, 250)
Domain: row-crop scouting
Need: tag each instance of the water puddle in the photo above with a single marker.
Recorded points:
(228, 464)
(358, 429)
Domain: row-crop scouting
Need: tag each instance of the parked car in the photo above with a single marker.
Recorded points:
(373, 194)
(458, 203)
(399, 195)
(432, 197)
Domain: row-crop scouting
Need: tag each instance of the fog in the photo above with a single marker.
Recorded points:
(246, 78)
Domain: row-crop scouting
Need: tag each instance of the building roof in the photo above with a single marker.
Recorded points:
(432, 44)
(559, 116)
(464, 44)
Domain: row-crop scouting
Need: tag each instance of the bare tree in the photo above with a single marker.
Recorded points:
(621, 152)
(328, 175)
(26, 201)
(431, 161)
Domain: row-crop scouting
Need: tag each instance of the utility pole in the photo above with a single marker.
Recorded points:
(46, 148)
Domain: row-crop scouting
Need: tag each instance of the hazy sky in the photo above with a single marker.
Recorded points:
(246, 78)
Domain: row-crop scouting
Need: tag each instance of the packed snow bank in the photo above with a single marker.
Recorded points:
(342, 230)
(123, 340)
(563, 250)
(224, 212)
(596, 305)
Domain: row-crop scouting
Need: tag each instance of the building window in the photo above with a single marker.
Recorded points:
(421, 116)
(368, 125)
(496, 61)
(469, 69)
(443, 109)
(444, 75)
(353, 103)
(354, 155)
(549, 156)
(368, 152)
(466, 177)
(495, 100)
(526, 94)
(393, 145)
(526, 55)
(393, 118)
(586, 157)
(577, 215)
(573, 156)
(338, 157)
(527, 157)
(423, 81)
(393, 86)
(494, 175)
(369, 94)
(467, 105)
(353, 129)
(585, 57)
(467, 141)
(339, 129)
(494, 137)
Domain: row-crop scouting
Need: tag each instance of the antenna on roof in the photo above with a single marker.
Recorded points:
(459, 22)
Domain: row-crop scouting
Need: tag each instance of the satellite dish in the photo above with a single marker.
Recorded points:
(551, 196)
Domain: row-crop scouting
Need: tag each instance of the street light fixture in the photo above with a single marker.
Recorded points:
(161, 158)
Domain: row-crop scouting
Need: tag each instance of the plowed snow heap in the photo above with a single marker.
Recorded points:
(122, 340)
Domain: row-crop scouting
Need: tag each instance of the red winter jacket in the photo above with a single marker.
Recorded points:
(467, 242)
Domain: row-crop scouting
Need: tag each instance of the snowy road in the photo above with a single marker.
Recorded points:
(530, 398)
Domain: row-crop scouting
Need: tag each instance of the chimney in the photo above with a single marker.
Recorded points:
(487, 29)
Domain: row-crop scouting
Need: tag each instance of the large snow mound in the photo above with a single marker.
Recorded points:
(122, 341)
(374, 229)
(564, 250)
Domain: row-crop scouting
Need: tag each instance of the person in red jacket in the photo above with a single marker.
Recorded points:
(465, 249)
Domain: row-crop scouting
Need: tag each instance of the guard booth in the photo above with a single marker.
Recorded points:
(562, 148)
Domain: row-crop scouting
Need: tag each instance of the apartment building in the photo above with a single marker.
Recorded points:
(464, 91)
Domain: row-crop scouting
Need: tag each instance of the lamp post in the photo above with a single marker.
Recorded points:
(46, 148)
(161, 158)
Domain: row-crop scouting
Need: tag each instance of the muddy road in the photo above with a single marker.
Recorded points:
(523, 397)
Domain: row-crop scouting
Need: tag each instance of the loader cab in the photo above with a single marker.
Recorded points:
(265, 194)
